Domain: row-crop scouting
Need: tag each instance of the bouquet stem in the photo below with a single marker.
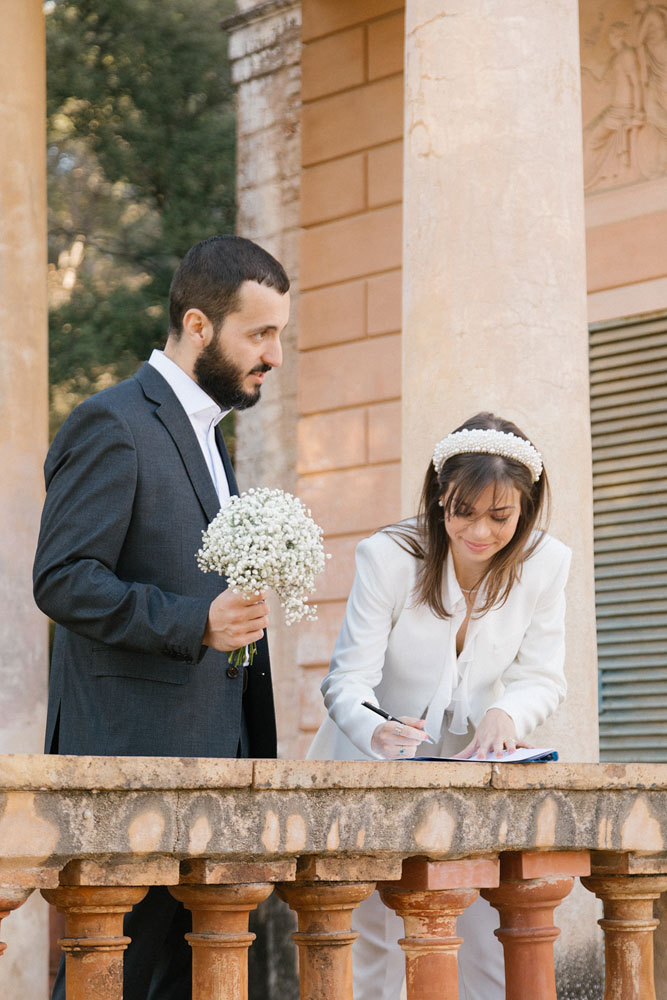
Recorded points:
(237, 657)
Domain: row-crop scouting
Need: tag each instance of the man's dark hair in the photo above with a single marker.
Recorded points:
(211, 273)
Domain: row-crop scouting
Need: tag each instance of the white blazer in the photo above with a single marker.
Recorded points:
(394, 652)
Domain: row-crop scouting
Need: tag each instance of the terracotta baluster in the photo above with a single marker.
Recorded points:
(531, 886)
(94, 942)
(628, 926)
(10, 899)
(429, 897)
(220, 938)
(324, 936)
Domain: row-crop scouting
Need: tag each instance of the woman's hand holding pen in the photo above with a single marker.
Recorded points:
(398, 738)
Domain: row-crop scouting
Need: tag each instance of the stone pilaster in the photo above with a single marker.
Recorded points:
(265, 49)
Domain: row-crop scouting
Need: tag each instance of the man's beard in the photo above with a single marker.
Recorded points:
(222, 380)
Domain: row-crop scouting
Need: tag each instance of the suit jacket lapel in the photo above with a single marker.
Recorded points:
(172, 415)
(226, 461)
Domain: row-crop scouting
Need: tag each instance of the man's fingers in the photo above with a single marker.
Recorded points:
(236, 620)
(249, 599)
(244, 636)
(232, 599)
(254, 620)
(247, 612)
(243, 616)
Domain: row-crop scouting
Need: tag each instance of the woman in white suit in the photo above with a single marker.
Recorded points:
(455, 625)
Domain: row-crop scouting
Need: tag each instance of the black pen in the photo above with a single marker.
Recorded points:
(392, 718)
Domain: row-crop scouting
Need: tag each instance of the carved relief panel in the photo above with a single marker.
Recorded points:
(624, 91)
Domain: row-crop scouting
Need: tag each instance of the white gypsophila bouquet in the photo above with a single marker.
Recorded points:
(265, 538)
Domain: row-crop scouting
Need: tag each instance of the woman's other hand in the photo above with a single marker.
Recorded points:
(395, 740)
(495, 733)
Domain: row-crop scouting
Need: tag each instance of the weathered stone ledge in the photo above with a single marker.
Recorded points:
(60, 773)
(94, 833)
(56, 809)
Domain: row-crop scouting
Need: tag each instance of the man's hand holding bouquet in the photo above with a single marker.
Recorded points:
(260, 539)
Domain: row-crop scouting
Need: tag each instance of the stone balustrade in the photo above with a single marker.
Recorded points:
(92, 834)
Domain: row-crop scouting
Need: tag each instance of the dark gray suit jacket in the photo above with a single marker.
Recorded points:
(128, 496)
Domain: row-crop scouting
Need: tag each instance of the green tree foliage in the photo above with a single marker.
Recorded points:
(141, 166)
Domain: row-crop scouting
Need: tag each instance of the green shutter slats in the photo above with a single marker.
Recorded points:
(620, 602)
(626, 477)
(644, 377)
(609, 571)
(651, 394)
(607, 527)
(628, 624)
(628, 366)
(639, 360)
(640, 451)
(639, 414)
(625, 333)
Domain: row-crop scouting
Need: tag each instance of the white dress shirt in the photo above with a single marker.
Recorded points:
(204, 415)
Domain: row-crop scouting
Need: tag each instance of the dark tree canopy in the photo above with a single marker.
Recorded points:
(141, 166)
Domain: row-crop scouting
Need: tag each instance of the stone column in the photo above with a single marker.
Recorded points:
(10, 899)
(531, 886)
(494, 314)
(23, 373)
(220, 938)
(325, 934)
(23, 418)
(429, 897)
(628, 925)
(94, 942)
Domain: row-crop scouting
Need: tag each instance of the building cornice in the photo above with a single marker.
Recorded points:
(262, 10)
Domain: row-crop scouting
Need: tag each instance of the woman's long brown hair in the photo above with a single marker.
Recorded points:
(461, 480)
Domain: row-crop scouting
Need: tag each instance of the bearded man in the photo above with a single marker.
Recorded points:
(135, 474)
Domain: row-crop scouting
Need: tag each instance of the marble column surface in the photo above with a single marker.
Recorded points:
(494, 311)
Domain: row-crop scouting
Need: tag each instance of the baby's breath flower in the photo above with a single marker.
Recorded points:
(266, 538)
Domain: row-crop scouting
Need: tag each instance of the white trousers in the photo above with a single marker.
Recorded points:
(379, 962)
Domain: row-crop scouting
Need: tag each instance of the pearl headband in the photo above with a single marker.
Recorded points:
(488, 442)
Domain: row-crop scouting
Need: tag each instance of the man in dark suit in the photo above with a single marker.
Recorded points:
(140, 658)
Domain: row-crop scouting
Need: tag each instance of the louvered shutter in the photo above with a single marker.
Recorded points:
(629, 428)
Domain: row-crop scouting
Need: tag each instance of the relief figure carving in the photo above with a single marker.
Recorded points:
(625, 96)
(652, 51)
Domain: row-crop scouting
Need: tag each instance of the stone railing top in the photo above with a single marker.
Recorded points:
(169, 812)
(69, 773)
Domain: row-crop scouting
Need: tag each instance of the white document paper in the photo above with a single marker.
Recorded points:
(522, 755)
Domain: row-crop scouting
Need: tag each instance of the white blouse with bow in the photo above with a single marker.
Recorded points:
(394, 652)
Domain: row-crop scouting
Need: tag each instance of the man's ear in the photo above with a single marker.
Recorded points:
(198, 328)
